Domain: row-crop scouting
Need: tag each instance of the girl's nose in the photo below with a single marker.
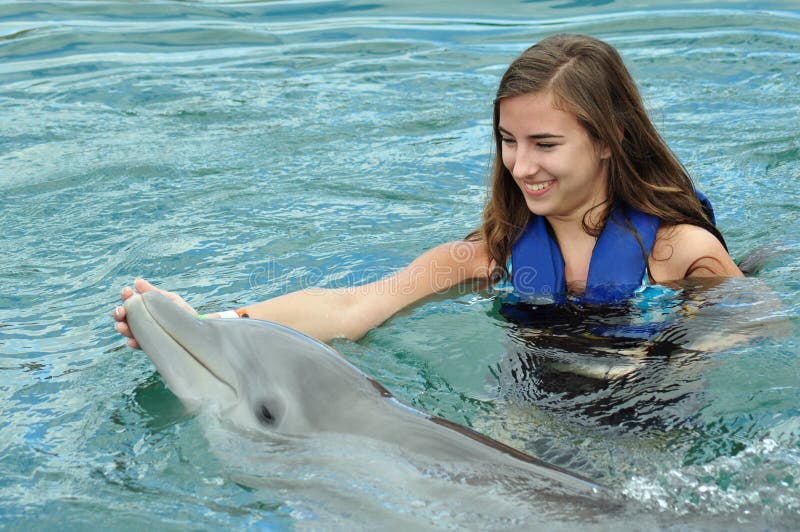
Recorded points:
(525, 164)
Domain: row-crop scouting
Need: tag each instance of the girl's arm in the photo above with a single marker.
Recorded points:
(351, 312)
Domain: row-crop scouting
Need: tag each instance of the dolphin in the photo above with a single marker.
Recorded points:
(262, 377)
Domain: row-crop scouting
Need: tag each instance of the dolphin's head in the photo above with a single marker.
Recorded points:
(256, 374)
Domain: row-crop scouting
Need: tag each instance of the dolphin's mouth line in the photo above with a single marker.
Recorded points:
(189, 352)
(205, 366)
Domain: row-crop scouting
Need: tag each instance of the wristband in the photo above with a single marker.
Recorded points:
(226, 315)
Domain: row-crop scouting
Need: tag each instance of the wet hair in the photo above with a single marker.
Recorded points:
(587, 77)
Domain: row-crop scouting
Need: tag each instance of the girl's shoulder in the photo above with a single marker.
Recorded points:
(686, 250)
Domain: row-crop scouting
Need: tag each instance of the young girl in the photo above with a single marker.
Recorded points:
(587, 202)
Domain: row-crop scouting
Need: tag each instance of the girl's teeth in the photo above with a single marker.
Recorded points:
(540, 186)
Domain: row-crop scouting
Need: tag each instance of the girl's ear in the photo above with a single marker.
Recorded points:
(605, 151)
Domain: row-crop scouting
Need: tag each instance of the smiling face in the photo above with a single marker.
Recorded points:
(560, 171)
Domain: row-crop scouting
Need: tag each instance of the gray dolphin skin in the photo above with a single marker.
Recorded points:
(264, 377)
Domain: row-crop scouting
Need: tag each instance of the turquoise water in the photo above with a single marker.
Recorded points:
(236, 151)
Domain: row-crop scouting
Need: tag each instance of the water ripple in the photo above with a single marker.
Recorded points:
(233, 151)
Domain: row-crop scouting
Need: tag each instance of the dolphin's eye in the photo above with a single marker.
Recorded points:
(265, 416)
(269, 410)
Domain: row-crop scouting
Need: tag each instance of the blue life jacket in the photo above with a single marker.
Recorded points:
(617, 267)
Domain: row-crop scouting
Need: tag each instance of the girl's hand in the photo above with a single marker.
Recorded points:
(141, 287)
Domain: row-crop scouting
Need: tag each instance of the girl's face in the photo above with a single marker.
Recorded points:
(559, 169)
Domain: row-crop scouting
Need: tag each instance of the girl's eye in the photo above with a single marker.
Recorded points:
(545, 145)
(506, 140)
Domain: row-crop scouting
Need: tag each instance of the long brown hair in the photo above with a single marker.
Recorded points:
(588, 78)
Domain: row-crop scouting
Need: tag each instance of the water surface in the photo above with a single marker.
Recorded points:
(236, 151)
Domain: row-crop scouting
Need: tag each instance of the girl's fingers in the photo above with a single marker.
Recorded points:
(127, 293)
(144, 286)
(123, 328)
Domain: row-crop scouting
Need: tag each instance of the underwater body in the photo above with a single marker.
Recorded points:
(237, 151)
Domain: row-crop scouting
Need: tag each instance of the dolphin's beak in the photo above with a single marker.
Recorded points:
(181, 347)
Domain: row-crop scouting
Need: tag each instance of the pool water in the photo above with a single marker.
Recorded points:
(235, 151)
